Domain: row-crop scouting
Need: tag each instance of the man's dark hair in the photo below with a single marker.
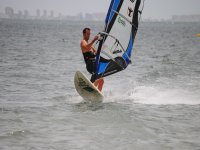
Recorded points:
(85, 29)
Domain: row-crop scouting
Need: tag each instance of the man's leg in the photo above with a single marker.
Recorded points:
(93, 77)
(99, 83)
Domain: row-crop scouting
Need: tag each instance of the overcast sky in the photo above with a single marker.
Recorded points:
(156, 9)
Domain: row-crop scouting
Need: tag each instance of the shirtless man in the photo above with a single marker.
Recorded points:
(89, 54)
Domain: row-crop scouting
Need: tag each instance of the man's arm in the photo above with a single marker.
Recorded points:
(87, 46)
(94, 50)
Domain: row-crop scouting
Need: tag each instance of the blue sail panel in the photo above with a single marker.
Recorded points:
(109, 11)
(113, 6)
(127, 55)
(102, 67)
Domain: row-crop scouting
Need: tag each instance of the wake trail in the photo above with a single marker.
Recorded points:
(153, 95)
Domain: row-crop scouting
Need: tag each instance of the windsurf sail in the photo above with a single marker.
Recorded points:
(116, 44)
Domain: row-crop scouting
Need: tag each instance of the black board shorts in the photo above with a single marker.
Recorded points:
(91, 66)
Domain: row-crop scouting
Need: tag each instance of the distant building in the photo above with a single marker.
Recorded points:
(80, 16)
(26, 14)
(52, 14)
(99, 16)
(38, 14)
(9, 12)
(19, 14)
(89, 16)
(44, 14)
(71, 18)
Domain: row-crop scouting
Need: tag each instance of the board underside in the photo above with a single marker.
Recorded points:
(86, 88)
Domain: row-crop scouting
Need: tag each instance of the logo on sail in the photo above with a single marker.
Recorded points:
(121, 21)
(130, 12)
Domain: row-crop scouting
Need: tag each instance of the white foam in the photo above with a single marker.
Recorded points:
(152, 95)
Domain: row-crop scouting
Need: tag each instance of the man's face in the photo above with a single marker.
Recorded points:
(87, 35)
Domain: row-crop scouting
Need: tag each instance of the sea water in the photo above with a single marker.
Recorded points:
(154, 104)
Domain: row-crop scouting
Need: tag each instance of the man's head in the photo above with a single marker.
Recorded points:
(86, 33)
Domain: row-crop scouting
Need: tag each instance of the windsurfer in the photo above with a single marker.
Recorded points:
(89, 54)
